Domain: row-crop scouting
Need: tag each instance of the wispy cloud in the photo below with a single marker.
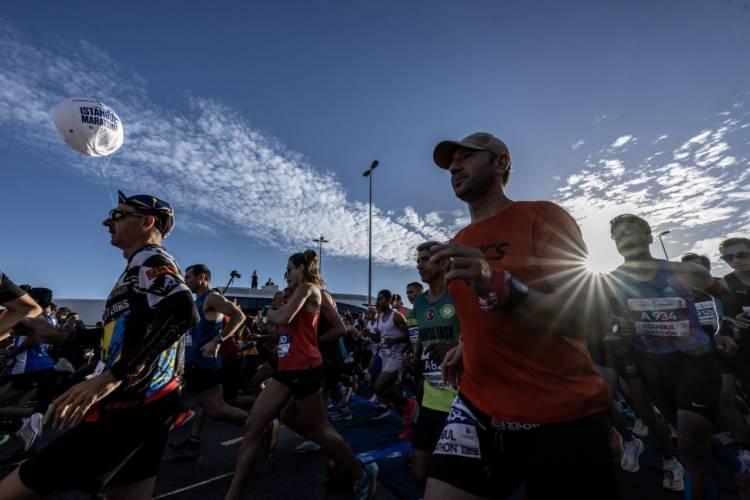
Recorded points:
(698, 191)
(577, 144)
(621, 141)
(218, 169)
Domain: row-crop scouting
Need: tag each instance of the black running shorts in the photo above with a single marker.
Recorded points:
(679, 381)
(198, 380)
(302, 383)
(428, 428)
(492, 459)
(123, 446)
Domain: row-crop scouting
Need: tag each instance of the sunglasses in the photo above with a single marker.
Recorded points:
(626, 232)
(729, 257)
(117, 214)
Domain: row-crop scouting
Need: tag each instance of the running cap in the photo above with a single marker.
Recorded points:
(633, 219)
(151, 205)
(478, 141)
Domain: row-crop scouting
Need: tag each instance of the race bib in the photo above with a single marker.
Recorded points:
(660, 317)
(706, 313)
(431, 372)
(459, 436)
(414, 337)
(188, 340)
(282, 349)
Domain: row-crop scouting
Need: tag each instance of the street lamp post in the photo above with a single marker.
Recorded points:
(320, 242)
(368, 173)
(664, 233)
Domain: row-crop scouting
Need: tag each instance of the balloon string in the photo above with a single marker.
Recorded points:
(104, 162)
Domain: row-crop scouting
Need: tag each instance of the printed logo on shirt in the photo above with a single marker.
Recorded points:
(447, 311)
(159, 270)
(285, 342)
(429, 314)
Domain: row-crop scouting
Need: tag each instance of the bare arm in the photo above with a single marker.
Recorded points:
(287, 312)
(219, 303)
(329, 312)
(16, 309)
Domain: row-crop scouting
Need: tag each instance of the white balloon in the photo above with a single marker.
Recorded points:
(89, 126)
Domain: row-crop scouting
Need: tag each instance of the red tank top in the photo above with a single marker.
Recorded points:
(298, 343)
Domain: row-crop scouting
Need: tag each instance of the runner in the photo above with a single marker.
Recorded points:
(119, 418)
(299, 376)
(438, 331)
(373, 361)
(531, 406)
(675, 358)
(392, 333)
(203, 364)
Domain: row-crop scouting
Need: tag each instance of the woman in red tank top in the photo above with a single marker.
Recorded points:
(298, 376)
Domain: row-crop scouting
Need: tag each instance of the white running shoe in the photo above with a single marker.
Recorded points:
(632, 450)
(307, 447)
(30, 430)
(674, 475)
(639, 428)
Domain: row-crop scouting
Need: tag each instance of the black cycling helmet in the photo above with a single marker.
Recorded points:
(146, 204)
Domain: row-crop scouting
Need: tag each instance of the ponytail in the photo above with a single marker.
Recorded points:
(309, 261)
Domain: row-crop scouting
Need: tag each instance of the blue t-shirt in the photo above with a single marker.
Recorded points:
(663, 312)
(34, 359)
(199, 335)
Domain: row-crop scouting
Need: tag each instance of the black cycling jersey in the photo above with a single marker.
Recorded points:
(145, 318)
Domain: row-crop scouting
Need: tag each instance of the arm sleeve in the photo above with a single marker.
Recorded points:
(172, 314)
(8, 290)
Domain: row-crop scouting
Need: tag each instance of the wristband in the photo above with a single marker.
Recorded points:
(506, 292)
(219, 339)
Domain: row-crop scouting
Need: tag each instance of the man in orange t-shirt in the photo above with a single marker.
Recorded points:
(531, 407)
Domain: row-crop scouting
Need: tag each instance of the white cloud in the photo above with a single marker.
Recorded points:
(621, 141)
(215, 167)
(577, 144)
(700, 192)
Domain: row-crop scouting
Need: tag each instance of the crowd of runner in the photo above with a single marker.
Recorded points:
(515, 368)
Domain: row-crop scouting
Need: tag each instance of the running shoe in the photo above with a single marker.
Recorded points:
(183, 418)
(373, 398)
(30, 430)
(385, 412)
(615, 445)
(344, 414)
(364, 489)
(410, 412)
(189, 448)
(631, 454)
(307, 447)
(674, 475)
(639, 428)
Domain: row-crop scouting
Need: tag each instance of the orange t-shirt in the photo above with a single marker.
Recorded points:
(512, 372)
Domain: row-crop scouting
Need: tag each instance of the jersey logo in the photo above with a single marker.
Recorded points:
(158, 271)
(447, 311)
(494, 251)
(429, 314)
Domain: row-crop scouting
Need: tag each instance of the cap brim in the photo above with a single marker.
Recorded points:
(443, 153)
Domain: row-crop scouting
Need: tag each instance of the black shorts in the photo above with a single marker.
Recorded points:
(198, 380)
(428, 428)
(303, 383)
(123, 446)
(679, 381)
(560, 460)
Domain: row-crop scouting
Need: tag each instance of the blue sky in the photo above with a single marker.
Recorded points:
(256, 121)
